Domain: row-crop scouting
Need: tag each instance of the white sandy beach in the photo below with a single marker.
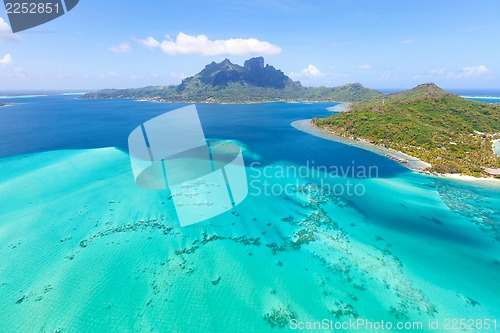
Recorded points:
(482, 97)
(469, 178)
(413, 164)
(496, 147)
(342, 107)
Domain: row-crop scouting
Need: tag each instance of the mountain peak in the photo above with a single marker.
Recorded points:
(426, 90)
(430, 88)
(255, 81)
(355, 85)
(253, 64)
(252, 73)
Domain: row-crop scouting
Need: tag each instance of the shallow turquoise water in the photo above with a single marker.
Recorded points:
(83, 249)
(485, 99)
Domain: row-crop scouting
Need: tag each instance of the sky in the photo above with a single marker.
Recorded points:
(383, 44)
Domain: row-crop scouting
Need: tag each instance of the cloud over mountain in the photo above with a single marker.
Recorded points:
(202, 45)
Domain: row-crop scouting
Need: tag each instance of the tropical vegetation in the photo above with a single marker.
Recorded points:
(451, 133)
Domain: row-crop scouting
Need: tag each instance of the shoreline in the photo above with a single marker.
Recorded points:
(342, 107)
(414, 164)
(496, 147)
(482, 97)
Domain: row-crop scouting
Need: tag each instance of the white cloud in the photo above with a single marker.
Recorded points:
(109, 75)
(409, 41)
(441, 72)
(365, 66)
(438, 71)
(309, 72)
(6, 60)
(149, 42)
(5, 31)
(201, 45)
(474, 71)
(120, 48)
(464, 72)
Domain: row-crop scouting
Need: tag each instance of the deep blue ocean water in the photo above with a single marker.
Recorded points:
(67, 122)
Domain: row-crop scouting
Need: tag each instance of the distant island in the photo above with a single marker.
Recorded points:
(451, 133)
(253, 82)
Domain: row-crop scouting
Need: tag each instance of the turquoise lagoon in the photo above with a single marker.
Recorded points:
(83, 249)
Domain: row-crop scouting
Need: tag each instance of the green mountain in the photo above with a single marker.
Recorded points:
(253, 73)
(451, 133)
(230, 83)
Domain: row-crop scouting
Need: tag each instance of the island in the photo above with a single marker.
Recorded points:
(454, 135)
(253, 82)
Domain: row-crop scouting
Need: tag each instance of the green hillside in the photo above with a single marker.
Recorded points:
(451, 133)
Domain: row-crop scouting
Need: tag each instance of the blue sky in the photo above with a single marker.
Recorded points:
(382, 44)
